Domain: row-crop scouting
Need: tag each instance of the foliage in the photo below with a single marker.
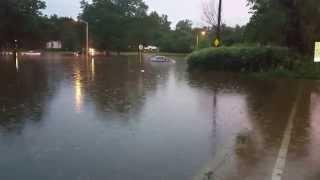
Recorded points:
(184, 26)
(20, 20)
(122, 25)
(69, 32)
(112, 23)
(180, 40)
(232, 35)
(229, 36)
(251, 59)
(290, 23)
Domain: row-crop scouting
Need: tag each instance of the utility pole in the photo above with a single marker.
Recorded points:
(87, 39)
(87, 36)
(197, 46)
(219, 22)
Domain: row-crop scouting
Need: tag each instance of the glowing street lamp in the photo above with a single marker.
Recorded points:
(203, 33)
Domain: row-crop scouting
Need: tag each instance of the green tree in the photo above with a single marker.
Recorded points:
(184, 26)
(113, 22)
(291, 23)
(66, 30)
(232, 35)
(20, 20)
(180, 40)
(124, 24)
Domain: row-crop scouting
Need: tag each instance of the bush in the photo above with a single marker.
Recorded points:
(241, 59)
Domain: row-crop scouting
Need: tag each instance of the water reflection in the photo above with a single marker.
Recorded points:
(305, 144)
(24, 93)
(93, 68)
(118, 87)
(251, 115)
(17, 63)
(78, 91)
(314, 146)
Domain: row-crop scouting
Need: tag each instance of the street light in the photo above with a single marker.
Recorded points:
(87, 36)
(203, 33)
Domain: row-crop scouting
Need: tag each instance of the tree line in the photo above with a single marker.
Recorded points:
(23, 25)
(290, 23)
(124, 24)
(114, 25)
(121, 25)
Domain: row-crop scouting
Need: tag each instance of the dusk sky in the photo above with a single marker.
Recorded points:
(234, 11)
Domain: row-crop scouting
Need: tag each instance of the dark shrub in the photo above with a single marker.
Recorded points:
(252, 59)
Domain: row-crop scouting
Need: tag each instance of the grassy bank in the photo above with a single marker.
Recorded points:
(262, 62)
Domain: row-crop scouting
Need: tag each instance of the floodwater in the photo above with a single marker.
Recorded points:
(75, 119)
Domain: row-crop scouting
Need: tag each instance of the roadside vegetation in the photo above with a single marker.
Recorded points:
(241, 59)
(277, 42)
(261, 62)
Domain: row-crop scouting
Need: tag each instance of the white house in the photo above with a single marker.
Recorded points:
(54, 45)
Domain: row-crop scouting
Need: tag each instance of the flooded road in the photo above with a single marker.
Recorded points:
(76, 119)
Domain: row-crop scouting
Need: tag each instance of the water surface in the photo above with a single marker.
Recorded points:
(71, 118)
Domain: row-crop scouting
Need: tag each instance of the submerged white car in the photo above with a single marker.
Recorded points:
(160, 59)
(31, 53)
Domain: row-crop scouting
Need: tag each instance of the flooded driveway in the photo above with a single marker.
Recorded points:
(76, 119)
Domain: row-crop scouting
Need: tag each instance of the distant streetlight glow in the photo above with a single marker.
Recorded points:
(203, 33)
(92, 51)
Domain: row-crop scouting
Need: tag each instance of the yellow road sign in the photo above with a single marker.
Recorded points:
(216, 42)
(317, 52)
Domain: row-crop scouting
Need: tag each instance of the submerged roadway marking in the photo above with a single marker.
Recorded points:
(282, 156)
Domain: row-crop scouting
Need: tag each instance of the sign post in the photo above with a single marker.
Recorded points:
(140, 56)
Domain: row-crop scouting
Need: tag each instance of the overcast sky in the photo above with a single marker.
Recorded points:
(234, 11)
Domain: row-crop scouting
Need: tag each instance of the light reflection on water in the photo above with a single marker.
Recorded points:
(78, 91)
(315, 129)
(17, 63)
(93, 68)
